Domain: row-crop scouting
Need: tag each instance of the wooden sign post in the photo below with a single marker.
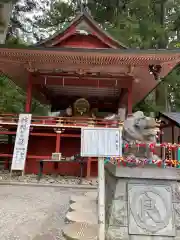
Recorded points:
(21, 143)
(101, 142)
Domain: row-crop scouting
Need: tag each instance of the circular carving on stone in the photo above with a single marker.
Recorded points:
(150, 209)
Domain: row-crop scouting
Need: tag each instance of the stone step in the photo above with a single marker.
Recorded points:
(78, 216)
(84, 206)
(76, 198)
(80, 231)
(93, 195)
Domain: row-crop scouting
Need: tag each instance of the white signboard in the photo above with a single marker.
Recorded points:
(101, 142)
(21, 142)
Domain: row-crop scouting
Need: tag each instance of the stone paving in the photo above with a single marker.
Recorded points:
(46, 179)
(33, 213)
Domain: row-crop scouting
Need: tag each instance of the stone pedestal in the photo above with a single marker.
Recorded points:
(142, 203)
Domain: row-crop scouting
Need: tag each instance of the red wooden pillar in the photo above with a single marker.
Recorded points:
(89, 162)
(129, 108)
(88, 174)
(58, 142)
(161, 139)
(29, 95)
(172, 129)
(173, 151)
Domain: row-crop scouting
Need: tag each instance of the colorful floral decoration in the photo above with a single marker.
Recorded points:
(153, 145)
(132, 161)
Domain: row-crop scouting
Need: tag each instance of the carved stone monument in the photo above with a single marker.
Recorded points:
(138, 127)
(150, 210)
(142, 203)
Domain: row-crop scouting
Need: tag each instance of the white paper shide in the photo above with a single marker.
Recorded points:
(21, 142)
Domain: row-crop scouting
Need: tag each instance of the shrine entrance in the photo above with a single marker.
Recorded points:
(85, 75)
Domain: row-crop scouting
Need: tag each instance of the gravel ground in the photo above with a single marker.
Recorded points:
(52, 179)
(33, 213)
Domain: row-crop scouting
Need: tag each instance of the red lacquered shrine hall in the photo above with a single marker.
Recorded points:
(85, 75)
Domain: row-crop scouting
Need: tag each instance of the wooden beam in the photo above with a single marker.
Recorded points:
(28, 156)
(70, 135)
(85, 81)
(85, 74)
(62, 102)
(122, 94)
(29, 94)
(172, 130)
(165, 125)
(58, 141)
(43, 134)
(31, 133)
(129, 107)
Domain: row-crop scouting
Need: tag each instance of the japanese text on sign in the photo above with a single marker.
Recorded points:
(101, 142)
(21, 142)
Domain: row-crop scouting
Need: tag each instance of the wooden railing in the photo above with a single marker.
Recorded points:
(71, 122)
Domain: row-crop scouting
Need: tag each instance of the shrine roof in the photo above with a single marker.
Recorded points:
(18, 63)
(138, 51)
(90, 56)
(84, 22)
(172, 116)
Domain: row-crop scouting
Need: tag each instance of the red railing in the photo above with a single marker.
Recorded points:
(71, 122)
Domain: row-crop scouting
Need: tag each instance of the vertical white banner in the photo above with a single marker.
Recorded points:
(21, 142)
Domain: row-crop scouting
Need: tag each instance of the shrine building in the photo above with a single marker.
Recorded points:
(84, 74)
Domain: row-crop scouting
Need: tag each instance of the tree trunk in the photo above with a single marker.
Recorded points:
(161, 94)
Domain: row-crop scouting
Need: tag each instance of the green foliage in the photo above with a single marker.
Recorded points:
(7, 1)
(148, 105)
(139, 24)
(21, 19)
(13, 99)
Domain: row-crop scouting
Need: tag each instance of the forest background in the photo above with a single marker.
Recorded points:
(147, 24)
